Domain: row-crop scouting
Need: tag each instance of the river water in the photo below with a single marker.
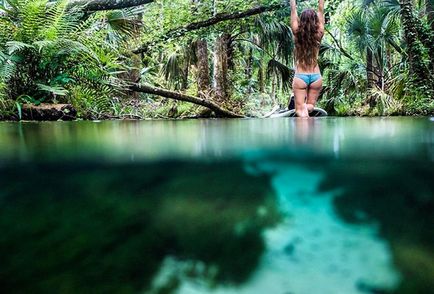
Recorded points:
(285, 206)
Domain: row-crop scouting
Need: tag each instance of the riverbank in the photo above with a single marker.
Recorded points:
(141, 110)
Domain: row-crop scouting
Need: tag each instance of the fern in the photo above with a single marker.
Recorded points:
(33, 19)
(40, 45)
(56, 90)
(17, 46)
(7, 70)
(91, 102)
(47, 51)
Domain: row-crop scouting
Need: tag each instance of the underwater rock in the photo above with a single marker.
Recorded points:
(83, 229)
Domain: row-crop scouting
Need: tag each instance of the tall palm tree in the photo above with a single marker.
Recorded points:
(420, 71)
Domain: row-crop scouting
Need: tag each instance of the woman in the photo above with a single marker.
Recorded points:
(308, 31)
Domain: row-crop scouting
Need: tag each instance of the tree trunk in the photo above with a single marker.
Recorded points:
(221, 82)
(273, 89)
(203, 80)
(430, 14)
(426, 37)
(186, 72)
(135, 62)
(220, 111)
(420, 72)
(370, 68)
(261, 79)
(98, 5)
(202, 63)
(374, 75)
(249, 71)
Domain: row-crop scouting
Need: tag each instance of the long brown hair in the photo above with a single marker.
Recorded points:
(307, 39)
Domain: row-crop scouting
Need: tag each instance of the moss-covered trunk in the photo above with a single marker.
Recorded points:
(203, 80)
(419, 70)
(221, 67)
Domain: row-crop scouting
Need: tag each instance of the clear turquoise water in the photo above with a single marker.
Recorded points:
(327, 205)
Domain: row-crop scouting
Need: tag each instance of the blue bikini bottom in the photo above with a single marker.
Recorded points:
(308, 78)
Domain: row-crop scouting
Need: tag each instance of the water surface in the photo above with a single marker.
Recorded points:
(326, 205)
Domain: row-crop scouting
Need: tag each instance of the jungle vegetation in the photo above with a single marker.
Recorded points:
(183, 58)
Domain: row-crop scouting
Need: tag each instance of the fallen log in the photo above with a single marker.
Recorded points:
(48, 112)
(220, 111)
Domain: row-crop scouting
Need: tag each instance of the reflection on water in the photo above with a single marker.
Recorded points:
(228, 206)
(154, 140)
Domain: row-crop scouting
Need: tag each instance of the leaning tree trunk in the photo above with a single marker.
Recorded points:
(220, 111)
(221, 68)
(203, 80)
(419, 71)
(98, 5)
(219, 17)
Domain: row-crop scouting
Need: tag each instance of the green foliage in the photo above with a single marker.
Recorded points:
(372, 77)
(52, 54)
(91, 102)
(46, 51)
(378, 62)
(7, 107)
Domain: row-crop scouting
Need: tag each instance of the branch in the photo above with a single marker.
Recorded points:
(97, 5)
(182, 97)
(181, 31)
(343, 51)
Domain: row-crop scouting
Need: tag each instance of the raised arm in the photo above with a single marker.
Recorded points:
(294, 17)
(321, 16)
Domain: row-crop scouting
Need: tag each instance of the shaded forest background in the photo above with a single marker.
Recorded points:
(225, 58)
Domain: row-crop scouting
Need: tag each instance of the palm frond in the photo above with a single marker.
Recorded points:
(392, 5)
(172, 69)
(359, 30)
(280, 70)
(367, 3)
(123, 22)
(275, 36)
